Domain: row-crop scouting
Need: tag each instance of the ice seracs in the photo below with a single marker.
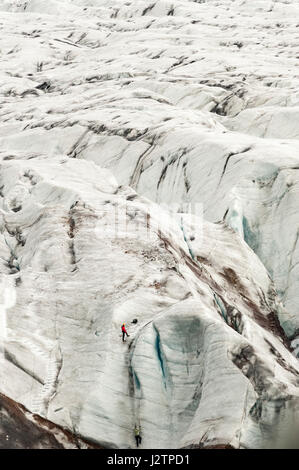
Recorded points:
(114, 118)
(207, 360)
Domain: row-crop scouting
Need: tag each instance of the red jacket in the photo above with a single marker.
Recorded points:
(123, 329)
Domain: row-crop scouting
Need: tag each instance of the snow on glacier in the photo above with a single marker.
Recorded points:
(129, 107)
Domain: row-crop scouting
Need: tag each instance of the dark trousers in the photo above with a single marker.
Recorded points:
(124, 333)
(138, 440)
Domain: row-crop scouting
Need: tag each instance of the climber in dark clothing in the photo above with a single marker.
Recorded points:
(124, 331)
(137, 432)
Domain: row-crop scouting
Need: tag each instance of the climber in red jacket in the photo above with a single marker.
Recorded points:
(124, 331)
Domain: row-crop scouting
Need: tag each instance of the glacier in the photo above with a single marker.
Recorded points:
(115, 117)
